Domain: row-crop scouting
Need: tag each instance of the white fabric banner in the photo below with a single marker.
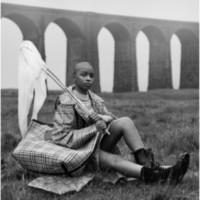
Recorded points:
(31, 81)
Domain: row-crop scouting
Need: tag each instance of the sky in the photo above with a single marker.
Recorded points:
(183, 10)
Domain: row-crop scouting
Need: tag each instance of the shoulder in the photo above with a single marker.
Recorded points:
(95, 97)
(66, 98)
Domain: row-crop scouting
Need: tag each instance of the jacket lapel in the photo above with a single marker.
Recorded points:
(96, 103)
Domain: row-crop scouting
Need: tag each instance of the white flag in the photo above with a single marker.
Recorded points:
(31, 81)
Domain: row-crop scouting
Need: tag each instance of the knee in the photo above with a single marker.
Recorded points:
(125, 121)
(121, 124)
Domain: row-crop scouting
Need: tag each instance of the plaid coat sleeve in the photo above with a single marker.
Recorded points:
(99, 105)
(68, 130)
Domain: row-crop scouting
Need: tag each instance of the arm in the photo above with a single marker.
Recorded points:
(66, 132)
(66, 125)
(106, 115)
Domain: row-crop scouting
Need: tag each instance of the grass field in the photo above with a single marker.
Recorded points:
(168, 121)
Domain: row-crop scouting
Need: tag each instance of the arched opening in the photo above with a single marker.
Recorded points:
(142, 57)
(122, 46)
(175, 45)
(106, 60)
(27, 27)
(56, 54)
(16, 27)
(65, 51)
(11, 37)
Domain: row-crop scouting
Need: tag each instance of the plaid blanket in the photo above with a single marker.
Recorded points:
(36, 154)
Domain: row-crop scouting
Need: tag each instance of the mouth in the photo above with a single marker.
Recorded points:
(88, 85)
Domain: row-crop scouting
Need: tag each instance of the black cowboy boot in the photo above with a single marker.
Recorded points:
(173, 174)
(144, 157)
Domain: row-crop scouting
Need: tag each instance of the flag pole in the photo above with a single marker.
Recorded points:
(65, 89)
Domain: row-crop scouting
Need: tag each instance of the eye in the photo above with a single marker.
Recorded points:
(83, 74)
(92, 75)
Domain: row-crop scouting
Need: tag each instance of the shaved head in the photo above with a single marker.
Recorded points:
(82, 65)
(83, 77)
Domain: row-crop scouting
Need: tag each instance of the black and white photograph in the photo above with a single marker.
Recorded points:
(100, 99)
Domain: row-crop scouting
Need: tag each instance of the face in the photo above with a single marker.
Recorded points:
(84, 77)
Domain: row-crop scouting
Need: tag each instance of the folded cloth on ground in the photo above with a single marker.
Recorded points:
(61, 185)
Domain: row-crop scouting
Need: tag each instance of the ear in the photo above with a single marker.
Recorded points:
(74, 77)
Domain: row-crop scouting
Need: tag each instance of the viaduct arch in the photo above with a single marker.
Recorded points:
(82, 29)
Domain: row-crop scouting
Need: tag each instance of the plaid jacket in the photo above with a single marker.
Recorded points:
(72, 125)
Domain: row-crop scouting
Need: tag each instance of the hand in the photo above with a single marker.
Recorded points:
(106, 118)
(100, 125)
(94, 117)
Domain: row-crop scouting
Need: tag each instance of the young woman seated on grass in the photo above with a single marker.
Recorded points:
(75, 130)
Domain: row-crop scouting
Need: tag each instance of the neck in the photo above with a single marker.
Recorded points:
(85, 92)
(81, 96)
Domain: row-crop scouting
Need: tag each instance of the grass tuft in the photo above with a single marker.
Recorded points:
(9, 141)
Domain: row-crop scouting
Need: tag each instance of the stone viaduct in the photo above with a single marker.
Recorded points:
(82, 28)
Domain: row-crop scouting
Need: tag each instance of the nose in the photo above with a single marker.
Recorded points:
(88, 78)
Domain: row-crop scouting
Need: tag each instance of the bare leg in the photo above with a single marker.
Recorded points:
(122, 127)
(125, 167)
